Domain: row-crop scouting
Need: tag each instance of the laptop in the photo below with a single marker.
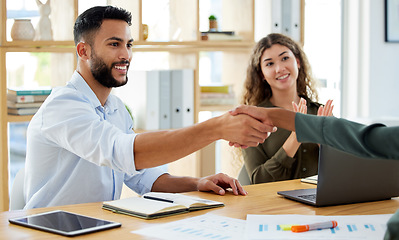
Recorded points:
(345, 178)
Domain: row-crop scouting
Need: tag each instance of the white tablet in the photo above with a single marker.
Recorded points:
(64, 223)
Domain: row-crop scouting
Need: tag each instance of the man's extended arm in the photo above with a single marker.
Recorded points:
(160, 147)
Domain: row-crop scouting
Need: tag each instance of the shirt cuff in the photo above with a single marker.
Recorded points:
(309, 127)
(284, 159)
(124, 154)
(144, 179)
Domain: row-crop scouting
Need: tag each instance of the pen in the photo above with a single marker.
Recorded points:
(159, 199)
(314, 226)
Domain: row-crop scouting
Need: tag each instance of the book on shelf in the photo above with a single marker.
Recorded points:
(22, 111)
(210, 98)
(26, 91)
(217, 95)
(157, 204)
(216, 88)
(220, 35)
(11, 104)
(219, 32)
(26, 98)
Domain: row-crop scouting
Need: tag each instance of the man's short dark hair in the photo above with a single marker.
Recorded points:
(90, 21)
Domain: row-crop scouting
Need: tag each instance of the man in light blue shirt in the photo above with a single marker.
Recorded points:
(81, 146)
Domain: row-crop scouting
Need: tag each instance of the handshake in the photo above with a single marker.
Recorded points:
(256, 123)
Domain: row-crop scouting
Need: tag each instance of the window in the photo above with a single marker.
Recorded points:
(322, 45)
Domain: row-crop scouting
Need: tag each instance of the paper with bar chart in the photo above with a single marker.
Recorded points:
(349, 227)
(207, 226)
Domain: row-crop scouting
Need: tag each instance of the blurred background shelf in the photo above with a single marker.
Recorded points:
(173, 42)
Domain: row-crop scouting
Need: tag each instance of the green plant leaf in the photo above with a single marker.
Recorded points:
(212, 17)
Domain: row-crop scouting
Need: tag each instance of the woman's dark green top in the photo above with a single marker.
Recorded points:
(268, 162)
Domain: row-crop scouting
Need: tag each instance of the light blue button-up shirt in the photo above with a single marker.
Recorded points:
(79, 151)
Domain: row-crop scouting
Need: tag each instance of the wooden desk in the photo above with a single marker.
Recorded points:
(262, 199)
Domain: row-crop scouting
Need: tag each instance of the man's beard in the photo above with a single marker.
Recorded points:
(103, 74)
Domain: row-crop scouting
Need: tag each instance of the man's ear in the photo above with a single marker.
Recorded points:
(83, 50)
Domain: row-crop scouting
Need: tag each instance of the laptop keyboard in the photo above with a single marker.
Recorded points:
(310, 197)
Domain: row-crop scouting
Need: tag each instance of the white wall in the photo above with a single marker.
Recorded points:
(370, 82)
(384, 67)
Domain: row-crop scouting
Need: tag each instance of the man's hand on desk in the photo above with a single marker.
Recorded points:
(218, 183)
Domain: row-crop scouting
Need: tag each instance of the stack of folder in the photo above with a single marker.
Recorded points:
(160, 99)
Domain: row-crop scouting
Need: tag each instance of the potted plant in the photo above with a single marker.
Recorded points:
(213, 23)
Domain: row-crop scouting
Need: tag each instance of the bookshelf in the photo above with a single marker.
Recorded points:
(175, 35)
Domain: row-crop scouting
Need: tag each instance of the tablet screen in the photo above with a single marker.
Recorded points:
(64, 223)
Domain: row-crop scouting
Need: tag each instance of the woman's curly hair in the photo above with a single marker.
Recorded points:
(256, 89)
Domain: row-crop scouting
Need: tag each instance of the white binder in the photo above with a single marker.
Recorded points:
(295, 22)
(182, 95)
(277, 19)
(164, 99)
(286, 18)
(148, 96)
(145, 103)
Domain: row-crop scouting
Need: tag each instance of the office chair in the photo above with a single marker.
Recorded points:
(17, 200)
(243, 176)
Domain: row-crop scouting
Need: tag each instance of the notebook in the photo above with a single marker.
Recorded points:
(344, 178)
(158, 204)
(310, 179)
